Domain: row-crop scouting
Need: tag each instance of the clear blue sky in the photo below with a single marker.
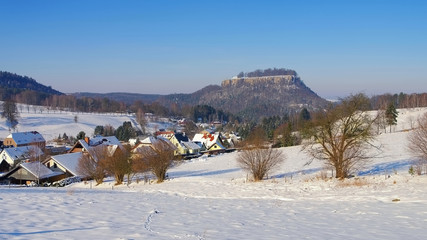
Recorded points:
(158, 46)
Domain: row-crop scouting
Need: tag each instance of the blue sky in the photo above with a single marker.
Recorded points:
(337, 47)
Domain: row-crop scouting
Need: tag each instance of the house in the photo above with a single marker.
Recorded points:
(87, 143)
(232, 139)
(66, 164)
(27, 172)
(212, 142)
(192, 148)
(176, 139)
(20, 139)
(10, 157)
(151, 142)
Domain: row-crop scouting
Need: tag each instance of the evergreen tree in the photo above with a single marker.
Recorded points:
(305, 115)
(391, 115)
(125, 132)
(81, 135)
(99, 130)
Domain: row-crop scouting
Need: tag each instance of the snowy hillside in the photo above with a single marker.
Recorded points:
(52, 123)
(210, 198)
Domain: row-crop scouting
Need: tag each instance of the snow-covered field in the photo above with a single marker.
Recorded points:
(51, 123)
(210, 198)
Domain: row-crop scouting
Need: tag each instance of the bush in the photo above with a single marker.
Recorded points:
(260, 161)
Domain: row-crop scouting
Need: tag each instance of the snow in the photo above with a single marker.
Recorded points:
(50, 124)
(208, 139)
(38, 169)
(22, 138)
(111, 140)
(12, 155)
(69, 161)
(211, 198)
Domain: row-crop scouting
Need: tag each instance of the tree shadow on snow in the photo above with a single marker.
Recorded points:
(202, 173)
(300, 172)
(388, 167)
(47, 231)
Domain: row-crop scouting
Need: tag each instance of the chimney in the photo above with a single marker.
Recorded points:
(87, 140)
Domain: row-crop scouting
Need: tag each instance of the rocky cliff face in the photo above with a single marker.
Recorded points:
(274, 80)
(256, 97)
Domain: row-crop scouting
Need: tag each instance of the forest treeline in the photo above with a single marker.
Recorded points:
(268, 72)
(401, 100)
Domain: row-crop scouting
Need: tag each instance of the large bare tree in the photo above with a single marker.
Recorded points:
(342, 135)
(417, 140)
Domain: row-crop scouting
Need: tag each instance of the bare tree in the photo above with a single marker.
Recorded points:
(381, 122)
(10, 112)
(257, 157)
(91, 164)
(190, 128)
(109, 130)
(140, 118)
(118, 163)
(417, 141)
(139, 165)
(159, 158)
(259, 161)
(342, 135)
(412, 121)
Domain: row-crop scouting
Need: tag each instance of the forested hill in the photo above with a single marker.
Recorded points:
(16, 83)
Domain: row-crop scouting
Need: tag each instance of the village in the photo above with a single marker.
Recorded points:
(26, 159)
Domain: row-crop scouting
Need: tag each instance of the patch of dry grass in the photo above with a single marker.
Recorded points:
(354, 182)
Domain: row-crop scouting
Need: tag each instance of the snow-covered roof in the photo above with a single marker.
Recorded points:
(149, 140)
(97, 141)
(26, 137)
(84, 144)
(208, 139)
(110, 140)
(191, 145)
(69, 161)
(154, 140)
(39, 170)
(20, 153)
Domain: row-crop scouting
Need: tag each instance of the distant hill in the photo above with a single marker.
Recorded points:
(128, 98)
(252, 95)
(16, 84)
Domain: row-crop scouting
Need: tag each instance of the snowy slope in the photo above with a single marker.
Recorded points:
(51, 123)
(210, 198)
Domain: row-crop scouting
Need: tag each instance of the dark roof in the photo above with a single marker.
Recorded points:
(181, 137)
